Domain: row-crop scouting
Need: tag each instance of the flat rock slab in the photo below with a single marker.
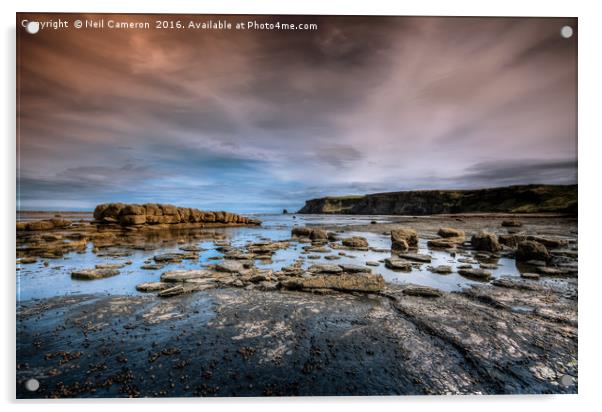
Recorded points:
(350, 268)
(239, 255)
(398, 264)
(444, 243)
(151, 267)
(92, 274)
(551, 271)
(184, 275)
(326, 269)
(422, 291)
(110, 265)
(183, 288)
(192, 248)
(230, 266)
(169, 257)
(478, 274)
(441, 269)
(345, 282)
(416, 257)
(527, 275)
(153, 286)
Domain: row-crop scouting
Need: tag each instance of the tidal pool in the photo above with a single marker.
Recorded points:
(52, 277)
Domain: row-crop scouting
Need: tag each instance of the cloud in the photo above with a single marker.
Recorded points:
(245, 120)
(505, 172)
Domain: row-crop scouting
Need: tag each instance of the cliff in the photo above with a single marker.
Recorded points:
(511, 199)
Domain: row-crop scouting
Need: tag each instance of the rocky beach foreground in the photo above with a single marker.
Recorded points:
(166, 301)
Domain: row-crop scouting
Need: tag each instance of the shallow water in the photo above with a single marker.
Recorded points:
(35, 281)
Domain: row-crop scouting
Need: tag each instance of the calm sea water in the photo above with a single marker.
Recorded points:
(36, 281)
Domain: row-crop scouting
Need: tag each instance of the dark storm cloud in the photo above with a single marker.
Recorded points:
(261, 120)
(503, 172)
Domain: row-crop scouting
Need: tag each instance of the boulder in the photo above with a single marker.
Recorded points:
(301, 231)
(318, 234)
(407, 235)
(509, 240)
(355, 242)
(400, 246)
(485, 241)
(531, 250)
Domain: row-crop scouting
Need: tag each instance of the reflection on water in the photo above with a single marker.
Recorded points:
(39, 281)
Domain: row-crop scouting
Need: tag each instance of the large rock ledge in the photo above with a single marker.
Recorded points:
(164, 214)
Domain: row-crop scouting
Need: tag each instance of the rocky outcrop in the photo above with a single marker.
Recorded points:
(511, 199)
(163, 214)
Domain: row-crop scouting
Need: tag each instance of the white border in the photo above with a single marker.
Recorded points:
(590, 67)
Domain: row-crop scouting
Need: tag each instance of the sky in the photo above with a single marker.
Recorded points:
(261, 120)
